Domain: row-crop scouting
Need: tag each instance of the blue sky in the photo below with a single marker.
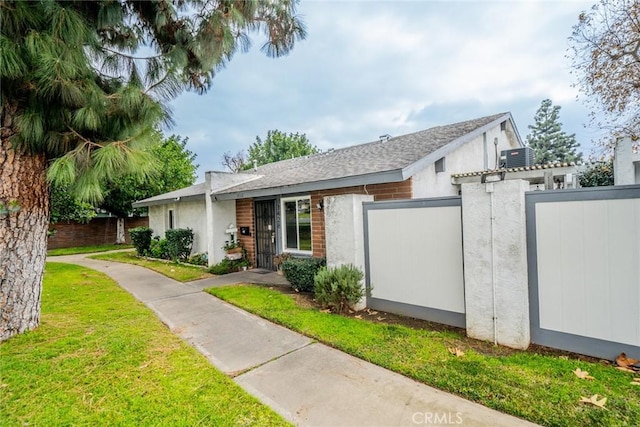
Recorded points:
(369, 68)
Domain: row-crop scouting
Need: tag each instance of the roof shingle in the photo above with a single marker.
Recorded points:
(364, 159)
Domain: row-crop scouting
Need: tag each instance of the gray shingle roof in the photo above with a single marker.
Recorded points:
(360, 160)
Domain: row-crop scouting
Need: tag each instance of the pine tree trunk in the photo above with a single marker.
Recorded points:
(23, 234)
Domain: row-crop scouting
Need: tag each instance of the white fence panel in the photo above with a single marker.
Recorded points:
(414, 258)
(585, 286)
(588, 263)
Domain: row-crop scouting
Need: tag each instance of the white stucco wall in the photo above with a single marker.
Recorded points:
(344, 231)
(220, 216)
(495, 262)
(157, 219)
(186, 215)
(467, 158)
(626, 167)
(193, 215)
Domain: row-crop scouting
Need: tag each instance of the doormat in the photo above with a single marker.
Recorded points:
(261, 271)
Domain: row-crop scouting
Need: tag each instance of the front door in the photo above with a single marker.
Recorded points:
(265, 213)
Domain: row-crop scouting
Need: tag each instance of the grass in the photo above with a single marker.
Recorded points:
(101, 358)
(539, 388)
(179, 272)
(86, 249)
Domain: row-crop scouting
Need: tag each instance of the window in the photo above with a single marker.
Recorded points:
(440, 165)
(297, 223)
(170, 219)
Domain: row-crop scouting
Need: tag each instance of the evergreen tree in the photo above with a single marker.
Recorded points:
(79, 103)
(550, 143)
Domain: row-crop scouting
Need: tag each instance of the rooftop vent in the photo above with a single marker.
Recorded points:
(385, 137)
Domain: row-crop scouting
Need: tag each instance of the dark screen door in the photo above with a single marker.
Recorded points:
(265, 213)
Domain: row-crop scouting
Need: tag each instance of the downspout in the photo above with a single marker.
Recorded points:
(493, 253)
(489, 189)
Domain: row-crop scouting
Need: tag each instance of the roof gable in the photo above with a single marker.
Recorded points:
(380, 161)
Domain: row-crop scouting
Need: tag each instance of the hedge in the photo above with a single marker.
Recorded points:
(300, 272)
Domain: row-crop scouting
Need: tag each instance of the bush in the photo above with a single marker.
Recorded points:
(225, 266)
(339, 288)
(179, 243)
(198, 259)
(278, 260)
(599, 174)
(158, 248)
(141, 239)
(301, 271)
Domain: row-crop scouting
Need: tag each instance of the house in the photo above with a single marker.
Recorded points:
(278, 207)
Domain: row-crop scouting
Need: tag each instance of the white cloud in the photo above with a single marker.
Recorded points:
(369, 68)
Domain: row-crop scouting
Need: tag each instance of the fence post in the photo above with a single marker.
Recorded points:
(344, 231)
(495, 262)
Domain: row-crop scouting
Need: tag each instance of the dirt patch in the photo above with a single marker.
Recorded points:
(306, 300)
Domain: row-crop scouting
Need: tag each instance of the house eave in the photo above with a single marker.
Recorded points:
(417, 166)
(351, 181)
(167, 201)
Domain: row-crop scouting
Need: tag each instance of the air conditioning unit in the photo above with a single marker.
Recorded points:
(516, 157)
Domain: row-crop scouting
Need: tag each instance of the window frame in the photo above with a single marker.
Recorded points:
(283, 225)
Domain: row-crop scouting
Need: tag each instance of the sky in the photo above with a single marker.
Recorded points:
(369, 68)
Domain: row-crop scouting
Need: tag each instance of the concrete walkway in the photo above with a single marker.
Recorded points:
(306, 382)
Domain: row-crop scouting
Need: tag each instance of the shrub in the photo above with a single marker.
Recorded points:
(198, 259)
(179, 243)
(158, 248)
(339, 288)
(141, 239)
(279, 259)
(301, 271)
(226, 266)
(598, 174)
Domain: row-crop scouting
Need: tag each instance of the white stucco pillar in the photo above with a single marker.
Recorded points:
(626, 163)
(495, 262)
(344, 231)
(220, 215)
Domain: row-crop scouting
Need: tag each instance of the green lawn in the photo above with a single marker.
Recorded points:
(540, 388)
(101, 358)
(86, 249)
(179, 272)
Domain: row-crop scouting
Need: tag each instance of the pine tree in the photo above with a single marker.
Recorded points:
(79, 103)
(550, 143)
